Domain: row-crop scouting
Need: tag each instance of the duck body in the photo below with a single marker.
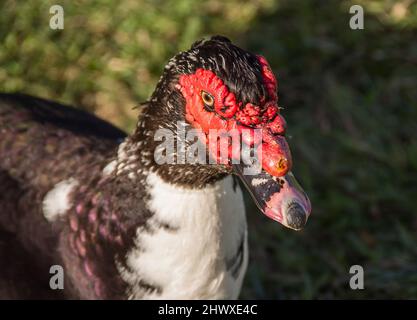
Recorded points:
(70, 198)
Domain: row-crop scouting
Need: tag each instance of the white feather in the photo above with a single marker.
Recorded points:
(258, 181)
(56, 202)
(109, 168)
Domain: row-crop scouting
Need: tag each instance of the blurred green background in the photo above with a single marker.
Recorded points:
(350, 101)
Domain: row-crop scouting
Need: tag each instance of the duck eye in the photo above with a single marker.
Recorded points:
(207, 99)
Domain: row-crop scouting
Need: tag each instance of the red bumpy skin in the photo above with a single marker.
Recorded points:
(228, 114)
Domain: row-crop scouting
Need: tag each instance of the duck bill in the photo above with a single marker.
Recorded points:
(279, 198)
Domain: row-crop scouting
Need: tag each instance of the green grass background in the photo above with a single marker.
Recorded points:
(350, 101)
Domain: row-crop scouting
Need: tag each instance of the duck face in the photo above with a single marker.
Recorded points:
(227, 91)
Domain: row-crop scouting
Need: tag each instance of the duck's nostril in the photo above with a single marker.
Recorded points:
(296, 216)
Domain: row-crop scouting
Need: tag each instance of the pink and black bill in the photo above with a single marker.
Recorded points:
(280, 198)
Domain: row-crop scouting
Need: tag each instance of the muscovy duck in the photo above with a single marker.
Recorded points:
(77, 192)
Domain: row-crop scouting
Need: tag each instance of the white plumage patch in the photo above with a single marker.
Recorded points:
(258, 181)
(109, 168)
(188, 260)
(56, 201)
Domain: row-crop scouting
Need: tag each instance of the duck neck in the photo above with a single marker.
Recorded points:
(140, 150)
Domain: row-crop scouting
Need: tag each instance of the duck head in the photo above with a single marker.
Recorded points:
(223, 90)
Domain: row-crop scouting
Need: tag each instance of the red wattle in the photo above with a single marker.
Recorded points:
(275, 156)
(269, 78)
(278, 125)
